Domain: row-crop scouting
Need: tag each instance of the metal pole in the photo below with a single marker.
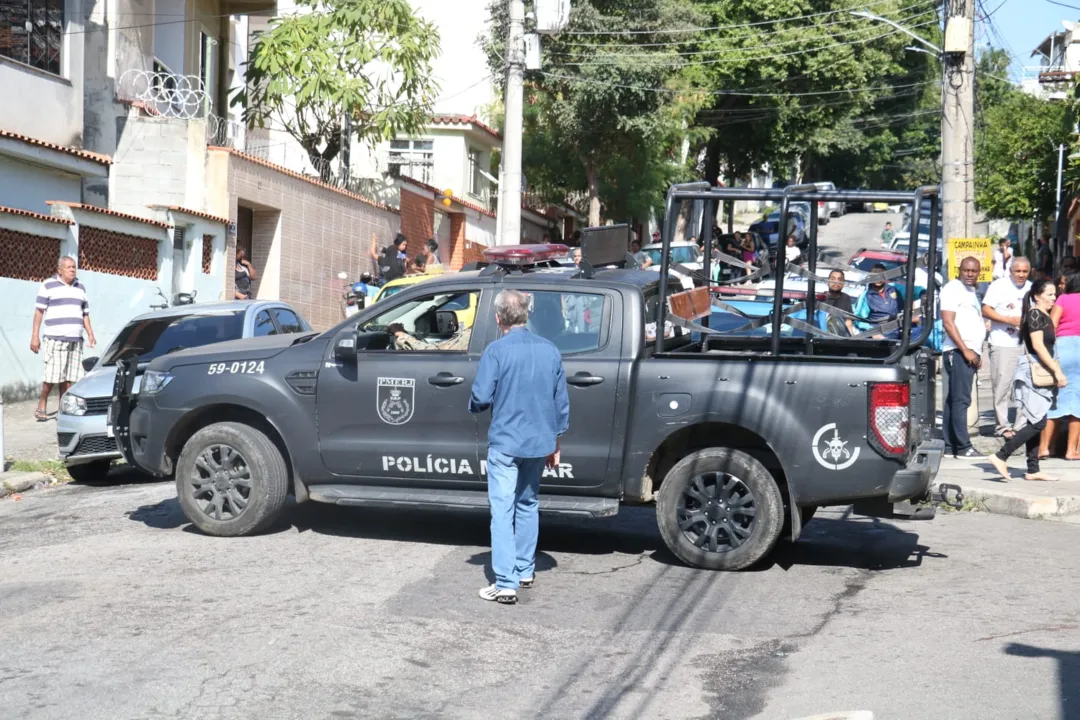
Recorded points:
(957, 146)
(1057, 204)
(510, 187)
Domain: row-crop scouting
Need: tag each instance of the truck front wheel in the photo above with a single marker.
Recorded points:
(720, 509)
(231, 480)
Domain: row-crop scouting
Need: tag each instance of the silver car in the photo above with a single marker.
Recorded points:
(86, 443)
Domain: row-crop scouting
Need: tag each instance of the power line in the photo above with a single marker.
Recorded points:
(676, 43)
(767, 56)
(605, 51)
(667, 31)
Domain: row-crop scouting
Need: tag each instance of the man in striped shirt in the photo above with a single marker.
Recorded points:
(62, 313)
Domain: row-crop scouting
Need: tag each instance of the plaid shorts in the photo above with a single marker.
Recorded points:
(63, 361)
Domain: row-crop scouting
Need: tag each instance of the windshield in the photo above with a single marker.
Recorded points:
(681, 254)
(391, 291)
(153, 337)
(865, 263)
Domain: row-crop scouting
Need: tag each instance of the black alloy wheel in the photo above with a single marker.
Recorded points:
(717, 512)
(220, 482)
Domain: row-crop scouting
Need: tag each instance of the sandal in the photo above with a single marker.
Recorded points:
(40, 415)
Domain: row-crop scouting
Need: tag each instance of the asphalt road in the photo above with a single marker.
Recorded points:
(113, 607)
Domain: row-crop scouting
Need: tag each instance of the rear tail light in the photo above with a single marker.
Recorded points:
(889, 417)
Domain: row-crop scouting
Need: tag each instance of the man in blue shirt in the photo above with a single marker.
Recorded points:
(880, 304)
(521, 379)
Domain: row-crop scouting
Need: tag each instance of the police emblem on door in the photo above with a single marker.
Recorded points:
(395, 400)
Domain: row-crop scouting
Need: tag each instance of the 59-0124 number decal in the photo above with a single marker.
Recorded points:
(241, 367)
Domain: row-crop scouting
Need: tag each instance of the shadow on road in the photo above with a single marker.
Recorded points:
(122, 474)
(854, 542)
(1068, 667)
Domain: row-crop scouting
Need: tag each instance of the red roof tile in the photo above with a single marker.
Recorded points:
(466, 120)
(196, 213)
(84, 154)
(438, 192)
(106, 211)
(305, 178)
(35, 216)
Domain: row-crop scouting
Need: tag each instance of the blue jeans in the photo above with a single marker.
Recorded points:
(954, 410)
(513, 492)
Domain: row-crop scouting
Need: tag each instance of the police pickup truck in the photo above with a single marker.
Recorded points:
(670, 402)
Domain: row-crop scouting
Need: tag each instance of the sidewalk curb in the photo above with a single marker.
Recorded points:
(1007, 502)
(18, 482)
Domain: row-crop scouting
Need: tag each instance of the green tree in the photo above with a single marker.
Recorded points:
(605, 116)
(793, 79)
(1016, 156)
(368, 60)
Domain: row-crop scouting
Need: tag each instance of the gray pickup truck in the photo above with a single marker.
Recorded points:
(736, 427)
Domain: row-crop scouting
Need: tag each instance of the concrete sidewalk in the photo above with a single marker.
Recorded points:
(1017, 497)
(24, 437)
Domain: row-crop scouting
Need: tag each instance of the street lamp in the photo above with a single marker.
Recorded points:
(924, 51)
(877, 18)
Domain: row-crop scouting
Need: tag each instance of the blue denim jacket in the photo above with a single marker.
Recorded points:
(521, 379)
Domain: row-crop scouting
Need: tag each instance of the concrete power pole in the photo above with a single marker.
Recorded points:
(510, 183)
(957, 121)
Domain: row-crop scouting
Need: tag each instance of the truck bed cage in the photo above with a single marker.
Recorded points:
(814, 345)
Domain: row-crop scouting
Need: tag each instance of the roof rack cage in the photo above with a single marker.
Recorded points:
(711, 197)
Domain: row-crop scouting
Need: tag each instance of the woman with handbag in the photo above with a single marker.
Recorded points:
(1037, 378)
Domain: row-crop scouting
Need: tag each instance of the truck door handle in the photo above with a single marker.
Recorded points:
(445, 379)
(584, 379)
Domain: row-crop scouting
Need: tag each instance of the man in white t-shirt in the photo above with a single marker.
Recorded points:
(1002, 307)
(965, 332)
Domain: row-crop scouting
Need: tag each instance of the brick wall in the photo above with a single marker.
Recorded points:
(117, 254)
(417, 220)
(323, 231)
(27, 257)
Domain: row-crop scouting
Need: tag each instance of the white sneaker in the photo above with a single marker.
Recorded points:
(494, 594)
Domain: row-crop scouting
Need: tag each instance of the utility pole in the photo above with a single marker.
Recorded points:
(957, 119)
(510, 182)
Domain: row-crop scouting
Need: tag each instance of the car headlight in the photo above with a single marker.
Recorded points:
(154, 382)
(72, 405)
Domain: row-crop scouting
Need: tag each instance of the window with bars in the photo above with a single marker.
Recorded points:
(32, 32)
(476, 180)
(412, 158)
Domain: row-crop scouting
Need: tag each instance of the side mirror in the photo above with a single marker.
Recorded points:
(447, 321)
(345, 349)
(89, 363)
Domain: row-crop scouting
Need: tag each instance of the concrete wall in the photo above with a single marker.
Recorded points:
(48, 107)
(304, 233)
(159, 161)
(480, 228)
(27, 186)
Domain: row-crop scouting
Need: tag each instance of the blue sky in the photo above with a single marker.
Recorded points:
(1025, 23)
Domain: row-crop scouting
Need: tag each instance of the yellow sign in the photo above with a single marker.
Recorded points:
(982, 249)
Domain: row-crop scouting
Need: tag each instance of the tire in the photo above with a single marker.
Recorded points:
(231, 480)
(706, 474)
(89, 472)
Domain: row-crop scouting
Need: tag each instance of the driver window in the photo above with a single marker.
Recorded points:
(435, 322)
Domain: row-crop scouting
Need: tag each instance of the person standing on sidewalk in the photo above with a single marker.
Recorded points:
(1037, 334)
(965, 332)
(1066, 317)
(521, 379)
(1002, 307)
(63, 310)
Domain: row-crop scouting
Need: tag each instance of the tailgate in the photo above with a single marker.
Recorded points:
(923, 384)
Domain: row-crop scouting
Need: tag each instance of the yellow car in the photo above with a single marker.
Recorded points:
(465, 316)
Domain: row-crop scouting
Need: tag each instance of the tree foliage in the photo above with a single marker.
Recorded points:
(604, 118)
(1016, 156)
(369, 60)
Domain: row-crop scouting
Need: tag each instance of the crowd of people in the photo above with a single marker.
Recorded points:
(1030, 324)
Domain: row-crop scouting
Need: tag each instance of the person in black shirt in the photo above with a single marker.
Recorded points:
(1037, 335)
(838, 298)
(392, 264)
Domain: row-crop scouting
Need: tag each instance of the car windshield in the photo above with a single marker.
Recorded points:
(865, 263)
(679, 254)
(152, 337)
(391, 291)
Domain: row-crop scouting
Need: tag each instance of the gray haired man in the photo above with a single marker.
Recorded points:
(61, 313)
(521, 379)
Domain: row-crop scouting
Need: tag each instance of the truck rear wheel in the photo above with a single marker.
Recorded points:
(231, 480)
(720, 509)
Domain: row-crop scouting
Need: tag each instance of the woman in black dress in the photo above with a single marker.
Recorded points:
(1037, 335)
